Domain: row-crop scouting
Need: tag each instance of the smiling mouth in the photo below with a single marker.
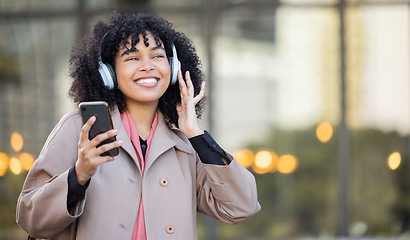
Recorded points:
(147, 82)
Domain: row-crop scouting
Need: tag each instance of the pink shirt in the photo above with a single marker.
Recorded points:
(131, 129)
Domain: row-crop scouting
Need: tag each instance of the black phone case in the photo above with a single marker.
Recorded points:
(102, 124)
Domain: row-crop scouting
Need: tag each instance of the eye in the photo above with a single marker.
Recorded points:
(131, 59)
(158, 56)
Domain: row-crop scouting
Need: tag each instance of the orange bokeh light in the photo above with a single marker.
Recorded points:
(4, 163)
(17, 141)
(26, 161)
(244, 157)
(15, 166)
(265, 161)
(324, 132)
(287, 163)
(394, 160)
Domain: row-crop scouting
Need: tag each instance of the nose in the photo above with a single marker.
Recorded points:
(146, 65)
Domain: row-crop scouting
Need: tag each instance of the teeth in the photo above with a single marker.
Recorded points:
(147, 80)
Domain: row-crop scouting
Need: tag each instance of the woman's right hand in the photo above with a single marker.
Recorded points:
(89, 155)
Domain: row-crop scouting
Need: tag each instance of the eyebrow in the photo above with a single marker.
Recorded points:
(134, 49)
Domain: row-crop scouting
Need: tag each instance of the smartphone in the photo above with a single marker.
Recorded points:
(103, 122)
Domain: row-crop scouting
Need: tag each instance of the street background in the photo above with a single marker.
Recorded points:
(313, 96)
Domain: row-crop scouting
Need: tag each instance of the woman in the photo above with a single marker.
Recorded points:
(167, 169)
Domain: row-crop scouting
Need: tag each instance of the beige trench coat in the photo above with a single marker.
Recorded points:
(175, 185)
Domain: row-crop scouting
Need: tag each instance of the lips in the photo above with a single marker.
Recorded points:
(147, 82)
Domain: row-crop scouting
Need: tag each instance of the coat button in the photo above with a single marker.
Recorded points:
(170, 229)
(163, 182)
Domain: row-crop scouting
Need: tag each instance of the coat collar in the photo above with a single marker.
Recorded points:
(164, 139)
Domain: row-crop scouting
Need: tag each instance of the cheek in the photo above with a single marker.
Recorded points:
(166, 70)
(122, 73)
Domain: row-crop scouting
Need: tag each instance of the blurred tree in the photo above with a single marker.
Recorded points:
(401, 208)
(374, 191)
(304, 203)
(9, 69)
(10, 187)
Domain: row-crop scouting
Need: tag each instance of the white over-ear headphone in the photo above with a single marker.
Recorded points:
(175, 65)
(107, 74)
(109, 77)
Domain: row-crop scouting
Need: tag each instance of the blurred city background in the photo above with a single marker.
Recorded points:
(313, 96)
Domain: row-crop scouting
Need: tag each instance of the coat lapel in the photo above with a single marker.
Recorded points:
(122, 135)
(164, 139)
(161, 142)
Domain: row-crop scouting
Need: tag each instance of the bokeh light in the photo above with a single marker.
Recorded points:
(26, 161)
(4, 163)
(15, 166)
(17, 141)
(394, 160)
(265, 161)
(275, 160)
(287, 163)
(244, 157)
(324, 132)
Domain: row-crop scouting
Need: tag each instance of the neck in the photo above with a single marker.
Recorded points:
(143, 116)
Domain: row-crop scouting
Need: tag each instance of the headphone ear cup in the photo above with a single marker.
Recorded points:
(112, 74)
(107, 72)
(108, 75)
(175, 66)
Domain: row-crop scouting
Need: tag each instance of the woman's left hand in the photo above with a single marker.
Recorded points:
(187, 119)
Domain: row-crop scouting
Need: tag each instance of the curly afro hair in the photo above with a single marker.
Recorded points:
(105, 40)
